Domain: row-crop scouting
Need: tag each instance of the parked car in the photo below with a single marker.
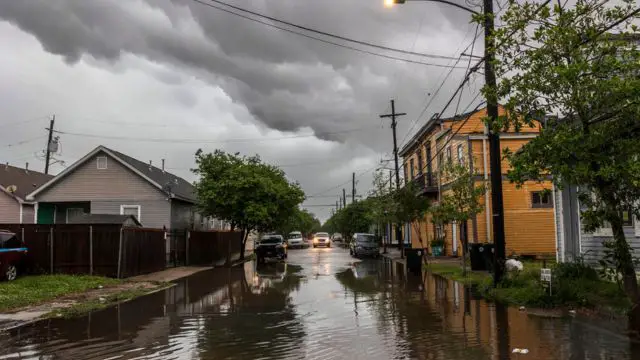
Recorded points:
(295, 240)
(13, 254)
(271, 247)
(364, 245)
(321, 239)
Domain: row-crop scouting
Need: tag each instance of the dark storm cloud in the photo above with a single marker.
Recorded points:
(287, 82)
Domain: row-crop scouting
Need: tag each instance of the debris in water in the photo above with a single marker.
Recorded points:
(102, 299)
(520, 351)
(522, 308)
(100, 286)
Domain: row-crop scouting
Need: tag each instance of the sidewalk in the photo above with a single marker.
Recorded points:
(394, 255)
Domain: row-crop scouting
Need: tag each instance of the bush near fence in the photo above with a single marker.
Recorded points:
(107, 250)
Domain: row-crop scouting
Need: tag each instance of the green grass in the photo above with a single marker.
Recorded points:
(34, 290)
(574, 285)
(95, 304)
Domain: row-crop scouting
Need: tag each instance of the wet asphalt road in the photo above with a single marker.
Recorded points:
(321, 304)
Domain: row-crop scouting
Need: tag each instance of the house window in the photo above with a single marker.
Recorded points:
(131, 210)
(627, 218)
(541, 199)
(102, 162)
(460, 155)
(412, 168)
(449, 154)
(420, 162)
(73, 213)
(406, 173)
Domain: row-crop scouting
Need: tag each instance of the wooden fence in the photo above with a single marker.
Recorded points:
(107, 250)
(213, 247)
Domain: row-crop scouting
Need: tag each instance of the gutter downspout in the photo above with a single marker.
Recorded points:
(21, 206)
(486, 179)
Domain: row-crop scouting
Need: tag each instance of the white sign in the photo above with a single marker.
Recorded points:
(545, 275)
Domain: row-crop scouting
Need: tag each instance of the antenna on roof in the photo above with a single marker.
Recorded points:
(163, 165)
(12, 188)
(6, 166)
(150, 166)
(26, 168)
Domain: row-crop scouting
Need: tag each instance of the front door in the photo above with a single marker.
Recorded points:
(46, 213)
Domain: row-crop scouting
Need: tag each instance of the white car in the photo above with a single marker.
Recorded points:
(295, 240)
(321, 239)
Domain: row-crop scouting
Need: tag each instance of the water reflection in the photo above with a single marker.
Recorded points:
(363, 309)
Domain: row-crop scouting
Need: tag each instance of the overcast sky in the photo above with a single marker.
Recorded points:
(159, 79)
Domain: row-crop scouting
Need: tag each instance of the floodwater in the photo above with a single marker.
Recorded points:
(322, 304)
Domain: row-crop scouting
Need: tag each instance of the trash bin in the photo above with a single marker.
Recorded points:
(414, 260)
(476, 258)
(488, 256)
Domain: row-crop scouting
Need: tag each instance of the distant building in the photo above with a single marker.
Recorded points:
(15, 184)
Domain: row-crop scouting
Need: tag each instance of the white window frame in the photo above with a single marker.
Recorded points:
(122, 207)
(67, 213)
(106, 163)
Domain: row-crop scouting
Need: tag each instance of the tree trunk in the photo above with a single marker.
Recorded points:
(624, 261)
(463, 237)
(243, 245)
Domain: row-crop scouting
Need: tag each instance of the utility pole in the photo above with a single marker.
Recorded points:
(337, 206)
(48, 148)
(394, 123)
(344, 198)
(353, 188)
(494, 146)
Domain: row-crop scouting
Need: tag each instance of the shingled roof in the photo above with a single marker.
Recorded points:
(24, 180)
(171, 184)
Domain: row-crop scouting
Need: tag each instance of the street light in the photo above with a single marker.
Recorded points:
(497, 205)
(390, 3)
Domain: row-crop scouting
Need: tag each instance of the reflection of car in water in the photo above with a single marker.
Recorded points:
(364, 245)
(271, 247)
(273, 272)
(364, 269)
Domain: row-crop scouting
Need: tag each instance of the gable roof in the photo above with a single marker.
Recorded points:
(24, 180)
(171, 184)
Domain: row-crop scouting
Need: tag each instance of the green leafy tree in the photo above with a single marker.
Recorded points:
(568, 61)
(244, 191)
(300, 220)
(409, 207)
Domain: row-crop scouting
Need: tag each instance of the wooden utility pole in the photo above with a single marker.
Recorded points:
(344, 198)
(353, 188)
(48, 148)
(394, 123)
(497, 206)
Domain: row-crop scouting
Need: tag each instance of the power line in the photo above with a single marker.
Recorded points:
(18, 123)
(324, 33)
(323, 40)
(24, 141)
(205, 141)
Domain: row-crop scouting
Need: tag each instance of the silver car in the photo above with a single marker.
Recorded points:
(295, 240)
(321, 239)
(364, 245)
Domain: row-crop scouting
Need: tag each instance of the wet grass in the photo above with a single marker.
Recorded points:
(574, 286)
(34, 290)
(86, 307)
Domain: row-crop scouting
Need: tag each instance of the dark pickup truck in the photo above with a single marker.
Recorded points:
(271, 246)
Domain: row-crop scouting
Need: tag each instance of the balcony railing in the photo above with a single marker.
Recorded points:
(426, 182)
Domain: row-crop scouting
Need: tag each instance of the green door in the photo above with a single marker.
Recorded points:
(45, 213)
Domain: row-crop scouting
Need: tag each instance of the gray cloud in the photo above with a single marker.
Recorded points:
(286, 82)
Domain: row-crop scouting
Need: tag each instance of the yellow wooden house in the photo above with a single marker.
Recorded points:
(528, 211)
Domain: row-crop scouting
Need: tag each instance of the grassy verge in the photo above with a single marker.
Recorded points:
(574, 286)
(34, 290)
(88, 306)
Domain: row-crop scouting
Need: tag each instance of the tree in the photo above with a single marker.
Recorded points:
(407, 206)
(565, 60)
(353, 218)
(244, 191)
(300, 220)
(461, 202)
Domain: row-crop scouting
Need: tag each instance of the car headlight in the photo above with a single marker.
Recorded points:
(315, 240)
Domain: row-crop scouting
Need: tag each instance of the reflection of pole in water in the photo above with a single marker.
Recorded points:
(502, 331)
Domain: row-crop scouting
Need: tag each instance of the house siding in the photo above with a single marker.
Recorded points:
(593, 248)
(27, 214)
(153, 213)
(9, 209)
(87, 183)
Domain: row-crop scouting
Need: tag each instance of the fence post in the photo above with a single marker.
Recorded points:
(51, 251)
(90, 249)
(120, 252)
(186, 256)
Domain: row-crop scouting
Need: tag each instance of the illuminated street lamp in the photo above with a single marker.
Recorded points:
(390, 3)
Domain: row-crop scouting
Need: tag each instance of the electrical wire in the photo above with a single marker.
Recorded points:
(18, 123)
(323, 40)
(205, 141)
(24, 141)
(324, 33)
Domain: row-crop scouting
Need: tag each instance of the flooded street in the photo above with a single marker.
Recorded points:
(322, 304)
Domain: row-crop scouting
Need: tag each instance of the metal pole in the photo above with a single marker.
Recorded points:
(120, 252)
(47, 152)
(51, 250)
(344, 198)
(494, 145)
(353, 187)
(90, 250)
